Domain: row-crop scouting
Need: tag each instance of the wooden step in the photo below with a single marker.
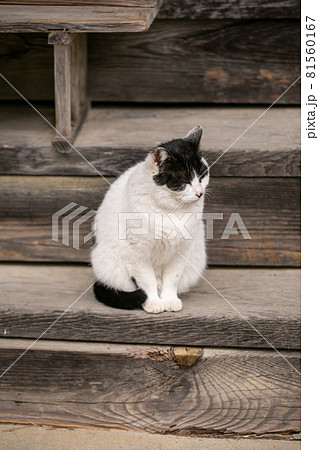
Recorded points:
(269, 208)
(218, 392)
(113, 138)
(29, 18)
(257, 177)
(33, 296)
(170, 373)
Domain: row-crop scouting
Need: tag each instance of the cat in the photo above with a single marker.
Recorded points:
(149, 267)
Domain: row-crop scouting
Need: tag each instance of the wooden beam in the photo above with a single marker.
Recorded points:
(71, 103)
(193, 9)
(62, 81)
(228, 393)
(122, 3)
(76, 19)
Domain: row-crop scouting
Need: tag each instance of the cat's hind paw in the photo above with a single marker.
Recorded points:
(153, 306)
(173, 304)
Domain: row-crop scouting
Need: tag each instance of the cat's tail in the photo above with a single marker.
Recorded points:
(118, 299)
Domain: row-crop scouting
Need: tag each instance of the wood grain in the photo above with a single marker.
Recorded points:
(193, 9)
(270, 148)
(62, 83)
(269, 207)
(34, 296)
(30, 19)
(224, 9)
(27, 62)
(71, 102)
(198, 61)
(141, 388)
(175, 61)
(122, 3)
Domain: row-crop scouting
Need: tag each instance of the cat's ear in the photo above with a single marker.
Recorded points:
(158, 156)
(194, 135)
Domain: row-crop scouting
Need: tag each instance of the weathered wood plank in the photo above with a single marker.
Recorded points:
(122, 3)
(224, 9)
(269, 207)
(193, 9)
(176, 61)
(33, 296)
(226, 393)
(198, 61)
(30, 19)
(270, 148)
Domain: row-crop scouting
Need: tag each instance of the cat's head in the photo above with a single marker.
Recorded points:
(179, 168)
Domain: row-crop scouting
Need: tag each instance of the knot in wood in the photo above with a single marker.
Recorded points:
(186, 356)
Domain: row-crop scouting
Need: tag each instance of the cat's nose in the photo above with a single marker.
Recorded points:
(198, 190)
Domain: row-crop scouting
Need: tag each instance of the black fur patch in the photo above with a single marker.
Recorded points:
(118, 299)
(183, 161)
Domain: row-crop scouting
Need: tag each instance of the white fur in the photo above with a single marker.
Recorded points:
(155, 264)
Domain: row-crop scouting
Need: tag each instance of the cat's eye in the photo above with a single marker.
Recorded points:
(203, 174)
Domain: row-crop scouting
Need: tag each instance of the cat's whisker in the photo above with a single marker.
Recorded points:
(180, 204)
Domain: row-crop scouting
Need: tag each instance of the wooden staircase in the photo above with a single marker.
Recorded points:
(228, 364)
(203, 371)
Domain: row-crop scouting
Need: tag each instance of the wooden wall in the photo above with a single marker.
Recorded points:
(205, 51)
(222, 61)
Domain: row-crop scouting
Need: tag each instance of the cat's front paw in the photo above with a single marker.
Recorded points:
(172, 304)
(153, 306)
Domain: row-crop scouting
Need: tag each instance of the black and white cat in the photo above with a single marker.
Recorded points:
(152, 264)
